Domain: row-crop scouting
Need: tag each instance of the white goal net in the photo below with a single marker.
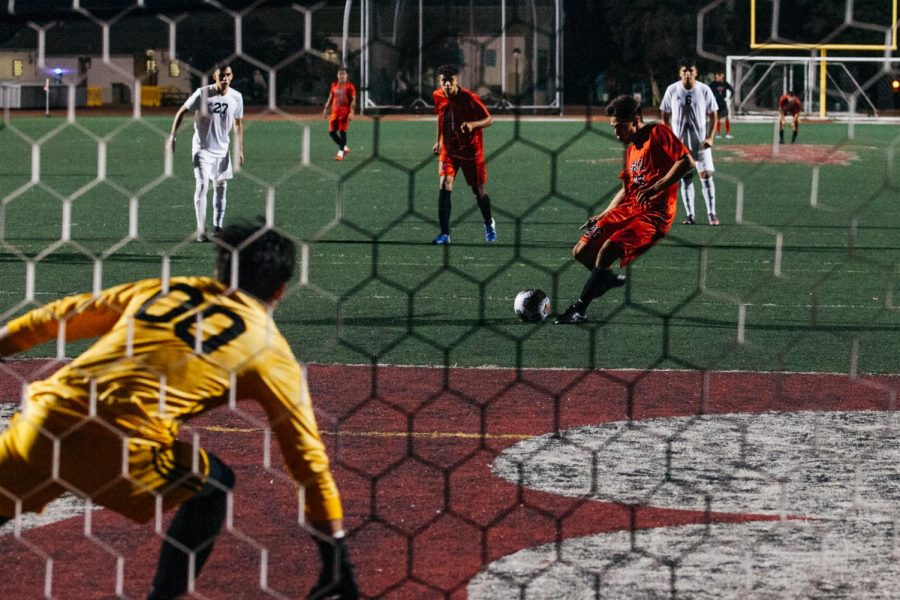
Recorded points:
(828, 86)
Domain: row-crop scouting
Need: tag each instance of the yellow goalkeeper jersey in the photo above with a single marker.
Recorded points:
(165, 353)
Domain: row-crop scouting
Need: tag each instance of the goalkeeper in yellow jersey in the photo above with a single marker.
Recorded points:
(169, 351)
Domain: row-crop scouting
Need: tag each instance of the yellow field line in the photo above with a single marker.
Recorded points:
(391, 434)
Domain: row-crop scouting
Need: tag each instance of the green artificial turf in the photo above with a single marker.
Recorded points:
(378, 291)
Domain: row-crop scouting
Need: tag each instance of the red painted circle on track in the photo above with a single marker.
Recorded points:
(414, 472)
(811, 154)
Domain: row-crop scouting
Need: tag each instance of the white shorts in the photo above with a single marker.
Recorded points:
(704, 160)
(217, 168)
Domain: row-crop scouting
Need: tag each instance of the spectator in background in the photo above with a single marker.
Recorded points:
(260, 87)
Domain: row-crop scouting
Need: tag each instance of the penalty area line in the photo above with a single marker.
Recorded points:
(389, 434)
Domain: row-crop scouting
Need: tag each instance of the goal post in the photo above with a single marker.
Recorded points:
(828, 86)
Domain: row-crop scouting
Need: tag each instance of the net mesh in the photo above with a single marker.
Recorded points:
(725, 426)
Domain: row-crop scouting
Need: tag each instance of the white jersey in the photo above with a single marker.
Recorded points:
(689, 109)
(212, 127)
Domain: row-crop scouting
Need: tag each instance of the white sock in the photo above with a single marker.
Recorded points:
(687, 195)
(709, 195)
(219, 204)
(200, 205)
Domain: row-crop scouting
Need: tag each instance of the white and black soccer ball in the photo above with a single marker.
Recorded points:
(532, 305)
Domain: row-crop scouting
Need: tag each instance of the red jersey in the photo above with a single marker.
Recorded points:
(653, 151)
(452, 113)
(342, 95)
(789, 105)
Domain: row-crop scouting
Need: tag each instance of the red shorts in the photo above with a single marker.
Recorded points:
(339, 122)
(474, 170)
(634, 232)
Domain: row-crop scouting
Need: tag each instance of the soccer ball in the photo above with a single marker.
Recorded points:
(532, 305)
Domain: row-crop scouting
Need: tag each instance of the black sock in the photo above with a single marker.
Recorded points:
(195, 525)
(444, 211)
(337, 139)
(343, 142)
(781, 135)
(484, 204)
(599, 282)
(794, 136)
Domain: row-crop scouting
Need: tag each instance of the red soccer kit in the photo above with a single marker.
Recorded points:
(342, 95)
(788, 105)
(461, 150)
(635, 227)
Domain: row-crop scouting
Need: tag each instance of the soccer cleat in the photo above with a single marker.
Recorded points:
(571, 316)
(690, 220)
(339, 156)
(217, 231)
(441, 240)
(713, 220)
(202, 238)
(490, 231)
(728, 136)
(615, 281)
(346, 149)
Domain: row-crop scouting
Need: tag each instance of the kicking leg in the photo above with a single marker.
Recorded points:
(600, 281)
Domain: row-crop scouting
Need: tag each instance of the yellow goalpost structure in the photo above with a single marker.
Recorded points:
(823, 48)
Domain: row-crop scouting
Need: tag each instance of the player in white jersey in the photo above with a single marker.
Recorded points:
(690, 109)
(217, 108)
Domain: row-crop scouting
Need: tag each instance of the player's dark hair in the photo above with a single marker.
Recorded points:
(265, 258)
(448, 70)
(686, 61)
(342, 70)
(624, 108)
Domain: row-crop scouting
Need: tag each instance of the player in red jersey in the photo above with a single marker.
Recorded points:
(789, 104)
(642, 211)
(342, 99)
(461, 115)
